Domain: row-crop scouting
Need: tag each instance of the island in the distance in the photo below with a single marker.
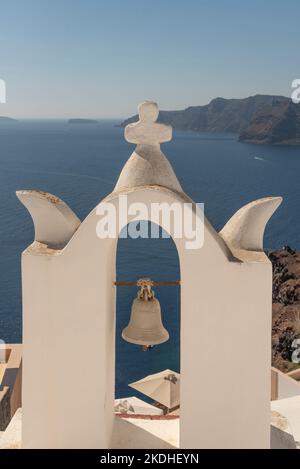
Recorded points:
(256, 119)
(82, 121)
(7, 120)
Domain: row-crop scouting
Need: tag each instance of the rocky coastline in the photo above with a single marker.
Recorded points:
(259, 119)
(286, 306)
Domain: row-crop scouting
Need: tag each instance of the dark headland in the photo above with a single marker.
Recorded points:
(264, 119)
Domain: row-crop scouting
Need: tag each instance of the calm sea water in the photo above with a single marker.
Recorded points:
(81, 163)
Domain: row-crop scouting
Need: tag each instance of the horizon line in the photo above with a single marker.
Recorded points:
(127, 117)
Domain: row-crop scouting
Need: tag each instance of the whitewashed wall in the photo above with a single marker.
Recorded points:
(69, 342)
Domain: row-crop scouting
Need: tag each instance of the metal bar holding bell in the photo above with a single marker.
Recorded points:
(163, 283)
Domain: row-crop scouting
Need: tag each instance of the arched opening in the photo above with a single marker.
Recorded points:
(156, 259)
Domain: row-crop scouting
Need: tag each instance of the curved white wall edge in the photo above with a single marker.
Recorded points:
(54, 221)
(245, 229)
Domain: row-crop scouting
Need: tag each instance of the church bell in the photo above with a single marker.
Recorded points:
(145, 326)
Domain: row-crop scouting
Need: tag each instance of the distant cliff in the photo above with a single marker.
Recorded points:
(276, 123)
(257, 119)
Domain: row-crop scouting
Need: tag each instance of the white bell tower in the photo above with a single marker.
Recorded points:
(69, 312)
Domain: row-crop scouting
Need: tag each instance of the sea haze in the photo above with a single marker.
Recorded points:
(81, 163)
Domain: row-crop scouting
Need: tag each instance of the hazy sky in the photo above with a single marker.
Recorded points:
(99, 58)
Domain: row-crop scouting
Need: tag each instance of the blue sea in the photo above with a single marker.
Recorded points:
(81, 163)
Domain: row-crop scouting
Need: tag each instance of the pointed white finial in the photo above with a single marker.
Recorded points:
(147, 131)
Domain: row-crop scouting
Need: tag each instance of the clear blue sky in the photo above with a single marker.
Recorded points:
(99, 58)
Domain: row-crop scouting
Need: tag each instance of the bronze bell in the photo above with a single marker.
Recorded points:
(145, 326)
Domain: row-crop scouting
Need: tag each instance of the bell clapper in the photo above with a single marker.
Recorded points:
(147, 347)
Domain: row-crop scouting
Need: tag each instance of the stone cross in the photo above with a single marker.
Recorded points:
(147, 131)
